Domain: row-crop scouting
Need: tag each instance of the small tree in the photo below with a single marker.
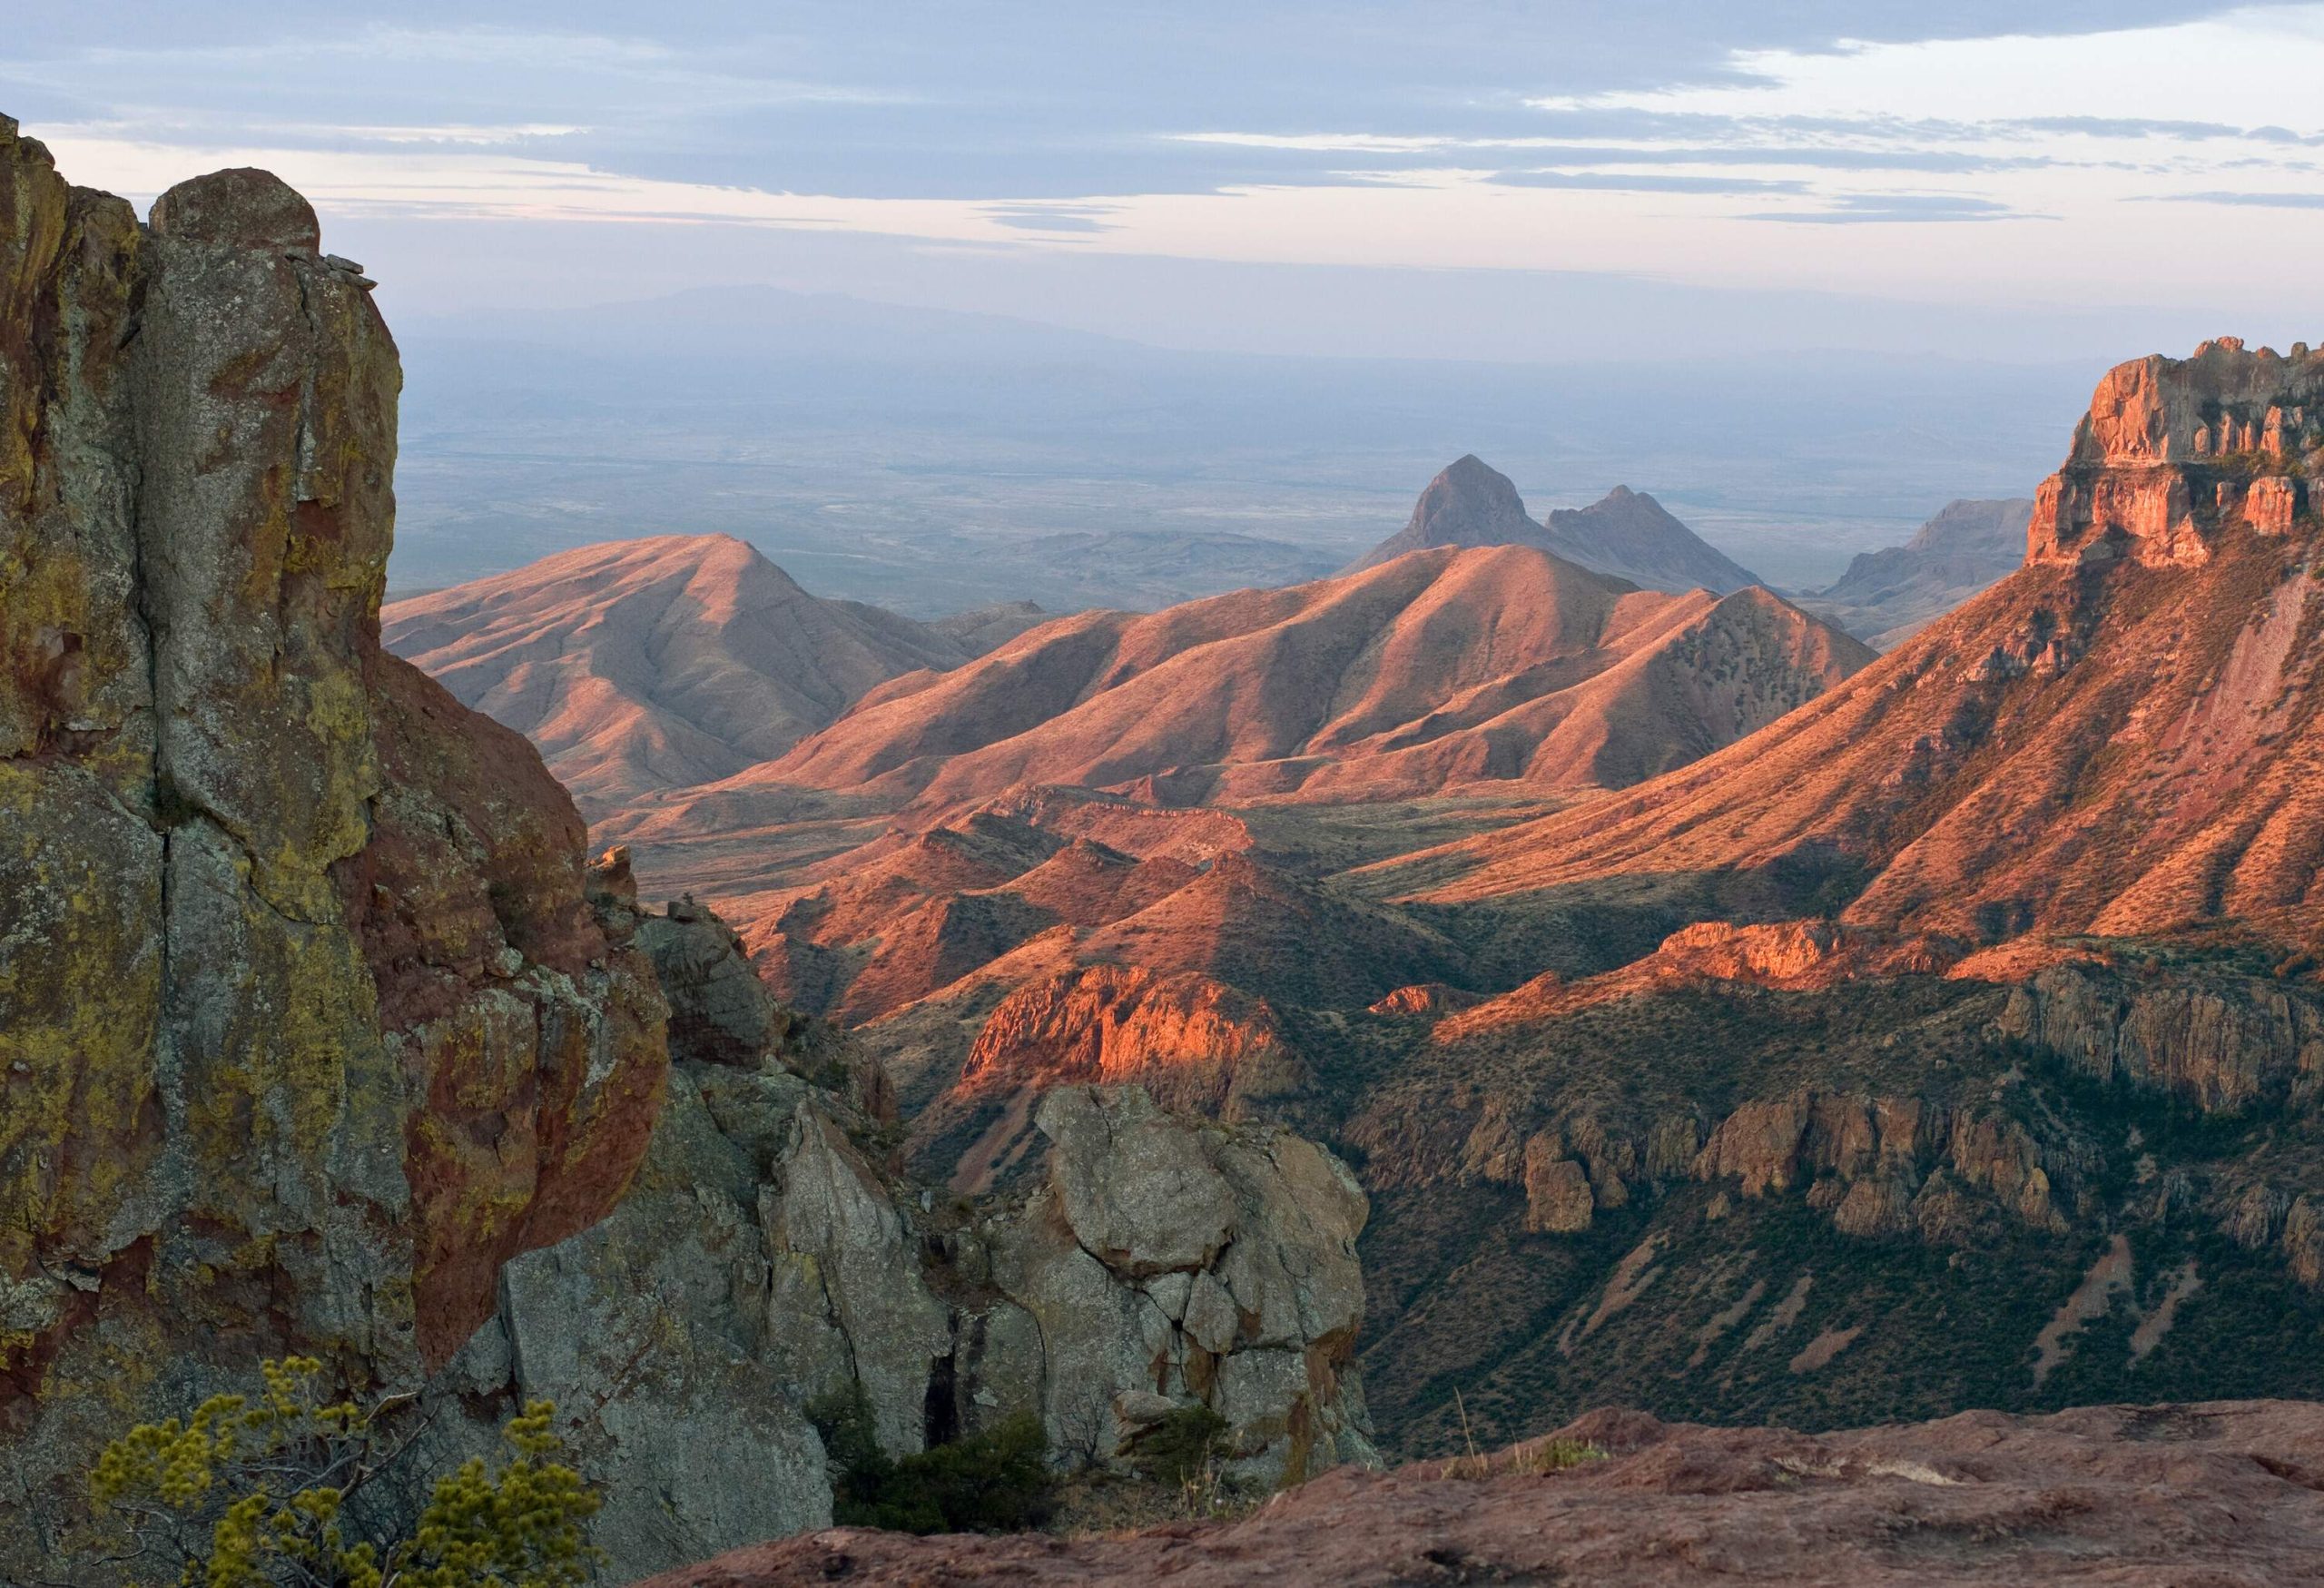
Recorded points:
(255, 1494)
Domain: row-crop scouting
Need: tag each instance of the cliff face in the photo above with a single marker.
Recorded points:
(306, 1026)
(316, 1035)
(770, 1256)
(2175, 451)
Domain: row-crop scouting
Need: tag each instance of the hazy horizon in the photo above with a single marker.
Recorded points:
(1806, 275)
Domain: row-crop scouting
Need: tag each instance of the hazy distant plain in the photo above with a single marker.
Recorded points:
(931, 462)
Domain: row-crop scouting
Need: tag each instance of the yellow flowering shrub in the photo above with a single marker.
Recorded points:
(254, 1493)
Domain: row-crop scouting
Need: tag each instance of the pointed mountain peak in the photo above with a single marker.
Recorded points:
(1469, 503)
(1629, 535)
(1483, 497)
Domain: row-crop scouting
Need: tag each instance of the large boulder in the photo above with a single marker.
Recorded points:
(1163, 1256)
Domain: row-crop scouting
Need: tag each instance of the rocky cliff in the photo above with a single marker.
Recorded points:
(2176, 452)
(772, 1258)
(306, 1027)
(2119, 739)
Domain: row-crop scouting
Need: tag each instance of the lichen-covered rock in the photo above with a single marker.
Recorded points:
(1208, 1264)
(771, 1262)
(720, 1012)
(306, 1027)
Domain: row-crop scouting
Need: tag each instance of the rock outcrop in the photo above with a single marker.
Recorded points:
(2176, 451)
(1193, 1043)
(770, 1263)
(2221, 1043)
(306, 1025)
(2220, 1492)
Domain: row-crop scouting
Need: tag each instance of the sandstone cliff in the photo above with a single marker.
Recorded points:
(306, 1027)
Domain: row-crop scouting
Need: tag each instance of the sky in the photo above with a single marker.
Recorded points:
(2041, 180)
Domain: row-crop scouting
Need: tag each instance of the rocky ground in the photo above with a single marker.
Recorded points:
(2214, 1494)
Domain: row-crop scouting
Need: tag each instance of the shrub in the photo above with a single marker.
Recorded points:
(1178, 1450)
(994, 1481)
(255, 1492)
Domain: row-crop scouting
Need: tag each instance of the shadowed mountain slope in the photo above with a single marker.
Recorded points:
(1631, 536)
(1886, 596)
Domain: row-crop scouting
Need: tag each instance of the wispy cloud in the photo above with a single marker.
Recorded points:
(1056, 218)
(1870, 209)
(2261, 200)
(1489, 137)
(1614, 182)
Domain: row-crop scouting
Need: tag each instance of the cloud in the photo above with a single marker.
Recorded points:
(1753, 145)
(2142, 127)
(1866, 209)
(2308, 200)
(1656, 182)
(1061, 218)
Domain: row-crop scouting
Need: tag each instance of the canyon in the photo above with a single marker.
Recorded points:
(1401, 1014)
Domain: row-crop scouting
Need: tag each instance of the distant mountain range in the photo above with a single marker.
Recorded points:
(1626, 533)
(1887, 597)
(915, 458)
(641, 664)
(2119, 739)
(1443, 669)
